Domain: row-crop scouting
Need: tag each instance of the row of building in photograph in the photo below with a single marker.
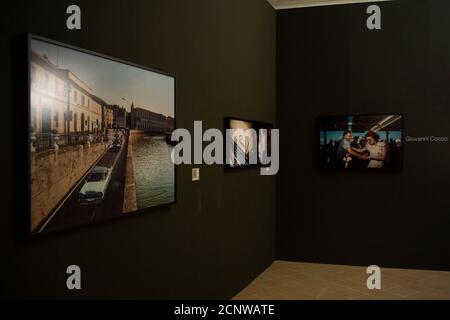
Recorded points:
(62, 104)
(146, 120)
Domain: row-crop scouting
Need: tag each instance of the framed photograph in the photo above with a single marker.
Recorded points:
(99, 136)
(264, 144)
(361, 142)
(250, 143)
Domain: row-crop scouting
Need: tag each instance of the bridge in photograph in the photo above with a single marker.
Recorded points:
(70, 212)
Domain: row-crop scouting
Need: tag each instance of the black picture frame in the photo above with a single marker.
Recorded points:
(256, 125)
(29, 38)
(397, 168)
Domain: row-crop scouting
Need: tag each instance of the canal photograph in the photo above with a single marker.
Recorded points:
(153, 186)
(99, 137)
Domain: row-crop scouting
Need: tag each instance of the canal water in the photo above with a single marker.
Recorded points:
(153, 170)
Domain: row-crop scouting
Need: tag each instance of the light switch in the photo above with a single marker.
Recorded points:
(196, 174)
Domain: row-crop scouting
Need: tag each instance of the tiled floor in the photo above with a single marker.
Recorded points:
(285, 280)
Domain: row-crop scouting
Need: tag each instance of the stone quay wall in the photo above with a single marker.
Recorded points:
(55, 173)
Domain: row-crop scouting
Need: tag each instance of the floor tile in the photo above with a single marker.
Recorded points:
(286, 280)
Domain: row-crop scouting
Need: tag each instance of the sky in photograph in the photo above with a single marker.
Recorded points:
(112, 81)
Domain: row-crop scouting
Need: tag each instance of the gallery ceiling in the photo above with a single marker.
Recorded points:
(289, 4)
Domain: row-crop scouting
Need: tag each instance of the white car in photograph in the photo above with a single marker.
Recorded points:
(95, 186)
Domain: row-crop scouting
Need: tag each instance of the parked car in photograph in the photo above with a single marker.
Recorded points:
(95, 186)
(118, 135)
(115, 146)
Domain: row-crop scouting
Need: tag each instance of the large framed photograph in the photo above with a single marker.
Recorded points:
(99, 136)
(250, 143)
(361, 142)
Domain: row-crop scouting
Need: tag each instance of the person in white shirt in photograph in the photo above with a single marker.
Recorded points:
(376, 150)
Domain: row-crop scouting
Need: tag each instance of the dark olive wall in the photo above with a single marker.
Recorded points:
(330, 63)
(221, 233)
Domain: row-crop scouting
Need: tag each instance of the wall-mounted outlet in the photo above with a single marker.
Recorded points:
(196, 174)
